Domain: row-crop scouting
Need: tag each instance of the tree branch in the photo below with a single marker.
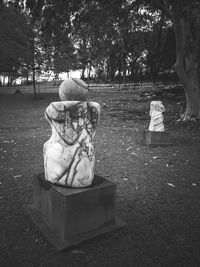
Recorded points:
(162, 5)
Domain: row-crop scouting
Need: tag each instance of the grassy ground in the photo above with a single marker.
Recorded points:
(158, 190)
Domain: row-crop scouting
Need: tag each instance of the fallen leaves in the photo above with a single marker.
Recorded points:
(170, 184)
(169, 164)
(8, 141)
(17, 176)
(133, 153)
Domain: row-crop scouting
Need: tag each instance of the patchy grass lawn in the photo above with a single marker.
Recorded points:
(158, 190)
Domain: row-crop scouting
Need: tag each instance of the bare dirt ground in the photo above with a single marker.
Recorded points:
(158, 189)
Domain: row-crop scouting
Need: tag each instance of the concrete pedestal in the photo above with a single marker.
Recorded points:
(153, 139)
(68, 216)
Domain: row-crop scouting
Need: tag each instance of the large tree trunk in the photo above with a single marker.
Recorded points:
(187, 65)
(192, 94)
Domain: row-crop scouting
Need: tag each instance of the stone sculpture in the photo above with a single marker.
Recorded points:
(69, 216)
(69, 156)
(157, 118)
(73, 89)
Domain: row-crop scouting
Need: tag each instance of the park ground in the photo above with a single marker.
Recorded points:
(158, 189)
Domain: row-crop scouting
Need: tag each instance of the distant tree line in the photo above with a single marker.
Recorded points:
(111, 40)
(110, 43)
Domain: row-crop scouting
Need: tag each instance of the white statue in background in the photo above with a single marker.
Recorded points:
(157, 118)
(69, 156)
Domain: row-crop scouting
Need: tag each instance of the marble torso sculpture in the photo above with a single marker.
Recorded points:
(69, 157)
(157, 118)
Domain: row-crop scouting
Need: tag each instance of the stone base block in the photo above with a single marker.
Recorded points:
(68, 216)
(153, 139)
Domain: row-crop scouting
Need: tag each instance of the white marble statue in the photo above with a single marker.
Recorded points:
(69, 157)
(69, 154)
(157, 118)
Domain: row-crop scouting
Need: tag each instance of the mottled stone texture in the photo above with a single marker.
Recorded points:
(73, 89)
(69, 157)
(157, 118)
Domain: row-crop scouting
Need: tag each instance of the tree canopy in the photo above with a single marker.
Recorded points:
(14, 41)
(112, 38)
(75, 35)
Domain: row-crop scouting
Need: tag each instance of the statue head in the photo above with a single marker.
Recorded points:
(157, 106)
(73, 89)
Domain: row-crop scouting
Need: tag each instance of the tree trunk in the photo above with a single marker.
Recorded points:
(56, 78)
(186, 66)
(83, 72)
(89, 71)
(124, 68)
(192, 95)
(33, 63)
(4, 79)
(119, 71)
(124, 76)
(34, 87)
(157, 54)
(27, 78)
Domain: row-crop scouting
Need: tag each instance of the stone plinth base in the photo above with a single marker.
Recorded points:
(153, 139)
(68, 216)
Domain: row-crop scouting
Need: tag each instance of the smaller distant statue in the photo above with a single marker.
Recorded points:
(157, 118)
